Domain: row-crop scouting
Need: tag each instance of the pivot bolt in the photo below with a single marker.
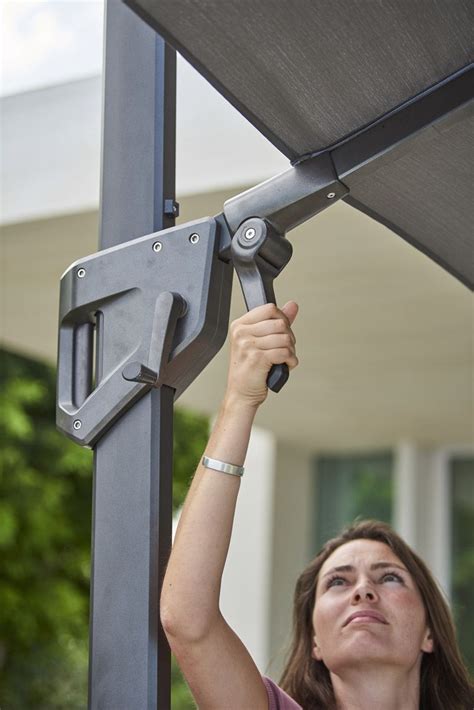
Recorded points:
(81, 273)
(77, 424)
(157, 246)
(194, 238)
(250, 233)
(331, 195)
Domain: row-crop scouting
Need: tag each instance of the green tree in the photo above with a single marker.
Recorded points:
(462, 551)
(45, 527)
(351, 487)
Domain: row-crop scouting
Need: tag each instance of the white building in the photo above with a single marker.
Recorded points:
(382, 403)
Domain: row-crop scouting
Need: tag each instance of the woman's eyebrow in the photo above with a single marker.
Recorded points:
(384, 565)
(376, 565)
(341, 568)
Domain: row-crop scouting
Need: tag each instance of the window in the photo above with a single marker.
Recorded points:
(349, 487)
(462, 552)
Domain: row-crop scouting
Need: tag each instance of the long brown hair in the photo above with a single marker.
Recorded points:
(444, 681)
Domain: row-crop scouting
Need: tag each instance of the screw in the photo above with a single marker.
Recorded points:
(194, 238)
(81, 273)
(77, 424)
(331, 195)
(249, 233)
(157, 246)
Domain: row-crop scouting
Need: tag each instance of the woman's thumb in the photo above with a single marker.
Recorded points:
(290, 310)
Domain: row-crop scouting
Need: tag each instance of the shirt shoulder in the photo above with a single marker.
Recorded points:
(277, 698)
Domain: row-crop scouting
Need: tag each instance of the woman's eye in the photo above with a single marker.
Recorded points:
(392, 577)
(336, 582)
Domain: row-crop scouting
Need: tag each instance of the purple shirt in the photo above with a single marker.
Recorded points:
(277, 698)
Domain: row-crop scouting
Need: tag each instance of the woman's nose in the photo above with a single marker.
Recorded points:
(364, 591)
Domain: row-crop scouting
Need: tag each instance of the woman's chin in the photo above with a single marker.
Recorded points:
(360, 649)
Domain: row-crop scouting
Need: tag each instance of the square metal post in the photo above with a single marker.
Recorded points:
(129, 654)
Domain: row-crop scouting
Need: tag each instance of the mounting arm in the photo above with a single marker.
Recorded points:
(290, 198)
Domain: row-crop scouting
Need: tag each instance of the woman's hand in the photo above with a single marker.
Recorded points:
(259, 339)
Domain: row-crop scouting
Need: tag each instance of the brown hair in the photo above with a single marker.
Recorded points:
(444, 681)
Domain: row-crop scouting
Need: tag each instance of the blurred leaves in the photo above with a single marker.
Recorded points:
(45, 524)
(462, 585)
(351, 487)
(190, 436)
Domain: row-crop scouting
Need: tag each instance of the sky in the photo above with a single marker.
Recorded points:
(48, 42)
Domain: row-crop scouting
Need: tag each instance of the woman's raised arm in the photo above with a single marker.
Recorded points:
(217, 666)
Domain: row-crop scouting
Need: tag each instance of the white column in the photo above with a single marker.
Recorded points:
(438, 524)
(407, 465)
(245, 592)
(293, 527)
(422, 506)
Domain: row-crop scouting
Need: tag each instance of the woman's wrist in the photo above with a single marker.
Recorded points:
(235, 404)
(231, 433)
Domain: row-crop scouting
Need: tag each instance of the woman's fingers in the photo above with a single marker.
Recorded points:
(272, 342)
(272, 349)
(260, 339)
(262, 313)
(281, 355)
(267, 327)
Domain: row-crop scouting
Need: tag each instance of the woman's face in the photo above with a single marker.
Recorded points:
(368, 609)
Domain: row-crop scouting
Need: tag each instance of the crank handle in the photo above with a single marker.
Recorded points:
(259, 254)
(277, 377)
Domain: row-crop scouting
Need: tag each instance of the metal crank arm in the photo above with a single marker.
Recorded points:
(257, 245)
(259, 254)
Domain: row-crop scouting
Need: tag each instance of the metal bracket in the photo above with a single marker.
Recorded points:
(164, 300)
(183, 276)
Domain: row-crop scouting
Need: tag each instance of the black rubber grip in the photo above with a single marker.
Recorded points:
(277, 377)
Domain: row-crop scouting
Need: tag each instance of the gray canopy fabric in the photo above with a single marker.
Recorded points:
(427, 196)
(310, 73)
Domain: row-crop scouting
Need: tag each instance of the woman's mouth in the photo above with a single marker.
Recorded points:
(365, 616)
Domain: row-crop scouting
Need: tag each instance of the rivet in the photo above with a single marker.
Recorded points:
(77, 424)
(194, 238)
(331, 195)
(157, 246)
(249, 233)
(81, 273)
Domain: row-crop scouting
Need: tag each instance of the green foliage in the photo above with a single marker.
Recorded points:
(190, 437)
(462, 484)
(351, 487)
(45, 524)
(181, 698)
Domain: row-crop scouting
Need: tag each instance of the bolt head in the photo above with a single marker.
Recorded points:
(157, 246)
(77, 424)
(331, 195)
(194, 238)
(81, 273)
(250, 233)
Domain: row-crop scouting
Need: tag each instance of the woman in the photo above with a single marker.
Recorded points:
(371, 630)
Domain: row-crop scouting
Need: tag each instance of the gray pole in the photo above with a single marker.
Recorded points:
(129, 654)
